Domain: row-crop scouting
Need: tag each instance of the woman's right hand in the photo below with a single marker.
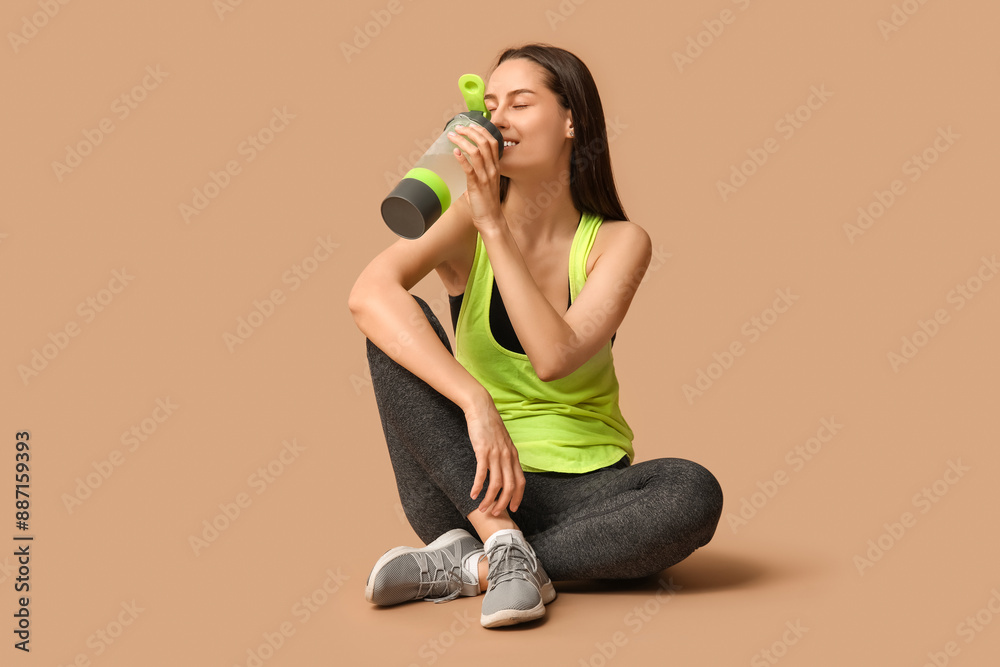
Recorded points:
(496, 454)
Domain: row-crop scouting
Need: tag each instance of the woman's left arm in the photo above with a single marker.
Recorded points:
(556, 346)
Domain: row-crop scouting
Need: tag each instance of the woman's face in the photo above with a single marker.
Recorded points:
(534, 119)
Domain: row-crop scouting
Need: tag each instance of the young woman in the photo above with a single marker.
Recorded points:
(541, 265)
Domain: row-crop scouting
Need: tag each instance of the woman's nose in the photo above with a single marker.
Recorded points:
(496, 117)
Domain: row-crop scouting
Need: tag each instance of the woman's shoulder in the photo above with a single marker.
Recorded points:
(626, 228)
(622, 236)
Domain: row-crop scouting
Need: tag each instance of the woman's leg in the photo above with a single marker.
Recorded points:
(428, 440)
(619, 522)
(435, 466)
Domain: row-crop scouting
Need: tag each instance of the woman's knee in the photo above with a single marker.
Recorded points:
(694, 486)
(434, 321)
(375, 353)
(708, 486)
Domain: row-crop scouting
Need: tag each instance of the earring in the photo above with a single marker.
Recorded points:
(571, 133)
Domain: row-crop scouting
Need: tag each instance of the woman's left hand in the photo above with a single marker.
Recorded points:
(482, 172)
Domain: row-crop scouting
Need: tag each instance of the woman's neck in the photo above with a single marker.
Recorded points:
(538, 214)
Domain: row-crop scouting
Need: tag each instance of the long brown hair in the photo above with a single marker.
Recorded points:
(591, 182)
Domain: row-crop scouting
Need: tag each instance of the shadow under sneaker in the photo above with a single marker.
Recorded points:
(433, 573)
(518, 587)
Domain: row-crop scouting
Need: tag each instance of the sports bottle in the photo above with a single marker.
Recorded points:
(437, 179)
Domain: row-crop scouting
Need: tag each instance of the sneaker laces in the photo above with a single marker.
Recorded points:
(504, 559)
(450, 577)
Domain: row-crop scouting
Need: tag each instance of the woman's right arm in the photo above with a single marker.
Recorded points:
(391, 318)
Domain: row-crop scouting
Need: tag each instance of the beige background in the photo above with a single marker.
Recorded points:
(300, 376)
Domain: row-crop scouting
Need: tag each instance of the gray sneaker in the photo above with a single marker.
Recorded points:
(433, 573)
(518, 587)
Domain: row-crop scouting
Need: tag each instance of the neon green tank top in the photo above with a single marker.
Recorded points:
(572, 424)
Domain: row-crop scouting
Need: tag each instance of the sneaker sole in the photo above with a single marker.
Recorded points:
(444, 540)
(514, 616)
(548, 592)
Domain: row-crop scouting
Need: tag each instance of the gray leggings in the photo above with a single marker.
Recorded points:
(619, 522)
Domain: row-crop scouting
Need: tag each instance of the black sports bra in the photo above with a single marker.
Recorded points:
(500, 324)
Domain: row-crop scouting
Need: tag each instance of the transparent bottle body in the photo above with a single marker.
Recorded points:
(440, 159)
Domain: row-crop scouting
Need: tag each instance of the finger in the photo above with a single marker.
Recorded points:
(520, 483)
(509, 489)
(460, 156)
(496, 483)
(503, 500)
(508, 485)
(491, 494)
(470, 152)
(477, 483)
(482, 135)
(476, 136)
(459, 137)
(470, 160)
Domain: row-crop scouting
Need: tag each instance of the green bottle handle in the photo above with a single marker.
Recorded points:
(473, 89)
